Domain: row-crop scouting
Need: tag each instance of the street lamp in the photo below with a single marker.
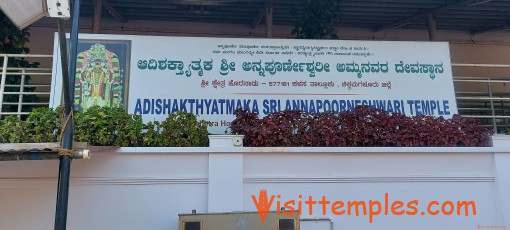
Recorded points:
(25, 12)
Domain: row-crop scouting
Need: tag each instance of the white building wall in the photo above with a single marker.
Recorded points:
(145, 188)
(110, 191)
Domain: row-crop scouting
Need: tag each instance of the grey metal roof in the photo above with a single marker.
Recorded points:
(471, 15)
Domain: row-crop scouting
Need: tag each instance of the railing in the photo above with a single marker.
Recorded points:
(489, 102)
(17, 105)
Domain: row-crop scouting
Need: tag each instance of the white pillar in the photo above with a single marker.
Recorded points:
(225, 192)
(502, 175)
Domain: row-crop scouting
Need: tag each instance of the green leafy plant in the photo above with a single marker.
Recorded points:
(14, 130)
(152, 137)
(103, 126)
(182, 129)
(44, 125)
(127, 128)
(130, 132)
(316, 20)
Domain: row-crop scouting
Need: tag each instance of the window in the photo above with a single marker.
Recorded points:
(286, 224)
(192, 225)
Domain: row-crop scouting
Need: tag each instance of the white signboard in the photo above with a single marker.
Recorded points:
(212, 77)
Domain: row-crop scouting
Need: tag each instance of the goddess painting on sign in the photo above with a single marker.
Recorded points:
(98, 78)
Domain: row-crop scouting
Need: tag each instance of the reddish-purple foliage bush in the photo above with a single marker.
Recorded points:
(364, 126)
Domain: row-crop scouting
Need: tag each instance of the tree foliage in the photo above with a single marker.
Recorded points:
(315, 20)
(14, 41)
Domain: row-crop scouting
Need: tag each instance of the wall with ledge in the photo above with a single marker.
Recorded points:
(146, 188)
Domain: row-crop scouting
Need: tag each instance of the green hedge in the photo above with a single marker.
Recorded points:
(102, 126)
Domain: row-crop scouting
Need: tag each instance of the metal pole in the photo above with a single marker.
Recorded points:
(492, 107)
(21, 91)
(64, 58)
(67, 137)
(2, 82)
